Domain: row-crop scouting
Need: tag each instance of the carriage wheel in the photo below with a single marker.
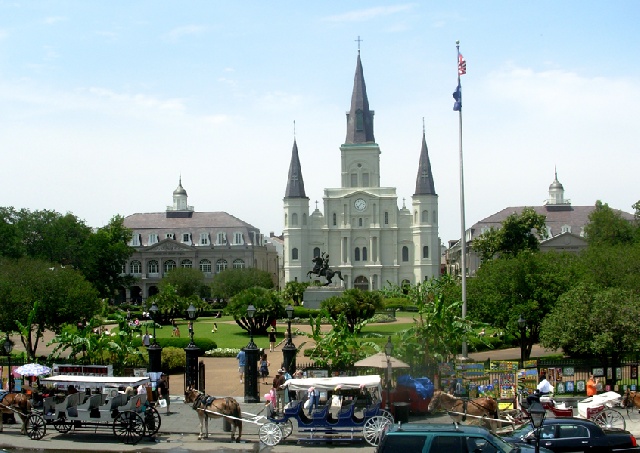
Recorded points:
(373, 429)
(36, 426)
(62, 425)
(610, 418)
(386, 414)
(152, 421)
(286, 427)
(130, 426)
(270, 434)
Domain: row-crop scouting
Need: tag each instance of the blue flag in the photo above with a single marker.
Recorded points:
(457, 95)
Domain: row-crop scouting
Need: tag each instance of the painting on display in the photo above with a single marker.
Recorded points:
(580, 385)
(634, 371)
(570, 387)
(568, 371)
(598, 372)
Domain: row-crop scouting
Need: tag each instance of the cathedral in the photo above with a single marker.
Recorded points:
(368, 238)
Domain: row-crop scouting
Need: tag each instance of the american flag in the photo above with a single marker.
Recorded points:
(462, 65)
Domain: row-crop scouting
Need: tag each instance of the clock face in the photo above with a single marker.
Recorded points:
(360, 204)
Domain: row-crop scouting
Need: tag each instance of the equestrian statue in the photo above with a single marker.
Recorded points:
(321, 268)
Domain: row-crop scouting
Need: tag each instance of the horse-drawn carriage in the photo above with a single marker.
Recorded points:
(345, 408)
(129, 416)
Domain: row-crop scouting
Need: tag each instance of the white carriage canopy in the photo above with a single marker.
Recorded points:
(94, 381)
(328, 384)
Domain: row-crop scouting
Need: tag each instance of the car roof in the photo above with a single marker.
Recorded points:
(437, 427)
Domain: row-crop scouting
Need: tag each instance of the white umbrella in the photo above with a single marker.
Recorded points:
(379, 360)
(33, 369)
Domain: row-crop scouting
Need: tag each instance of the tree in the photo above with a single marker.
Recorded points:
(606, 227)
(526, 285)
(356, 306)
(105, 253)
(185, 280)
(230, 282)
(615, 266)
(595, 322)
(10, 240)
(294, 291)
(519, 232)
(338, 348)
(268, 305)
(36, 296)
(171, 304)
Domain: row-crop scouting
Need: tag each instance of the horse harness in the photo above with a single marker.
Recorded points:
(203, 401)
(465, 404)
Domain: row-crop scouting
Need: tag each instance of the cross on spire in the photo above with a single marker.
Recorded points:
(358, 41)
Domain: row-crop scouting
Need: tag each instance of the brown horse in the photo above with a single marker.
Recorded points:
(631, 399)
(478, 407)
(206, 406)
(20, 403)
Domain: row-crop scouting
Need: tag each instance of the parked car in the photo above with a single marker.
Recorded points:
(575, 434)
(448, 438)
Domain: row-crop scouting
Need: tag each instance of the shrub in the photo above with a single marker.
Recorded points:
(222, 352)
(173, 359)
(204, 344)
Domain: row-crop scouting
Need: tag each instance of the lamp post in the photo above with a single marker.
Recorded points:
(192, 352)
(537, 414)
(388, 350)
(522, 324)
(251, 352)
(8, 347)
(155, 350)
(289, 350)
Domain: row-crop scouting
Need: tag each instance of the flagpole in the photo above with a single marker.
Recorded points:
(463, 240)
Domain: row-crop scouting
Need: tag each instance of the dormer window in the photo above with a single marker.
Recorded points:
(186, 238)
(204, 239)
(135, 240)
(153, 238)
(566, 228)
(170, 236)
(221, 238)
(238, 239)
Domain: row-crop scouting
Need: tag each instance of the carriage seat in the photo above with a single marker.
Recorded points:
(67, 408)
(135, 403)
(90, 407)
(320, 413)
(293, 407)
(49, 405)
(107, 408)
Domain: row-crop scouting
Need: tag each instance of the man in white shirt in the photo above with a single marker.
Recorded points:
(544, 387)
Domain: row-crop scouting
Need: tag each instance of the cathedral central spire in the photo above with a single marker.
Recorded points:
(359, 118)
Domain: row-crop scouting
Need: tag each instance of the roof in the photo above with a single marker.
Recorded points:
(159, 221)
(359, 118)
(345, 382)
(295, 183)
(424, 180)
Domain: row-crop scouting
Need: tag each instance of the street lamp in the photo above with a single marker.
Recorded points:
(191, 352)
(153, 310)
(289, 350)
(191, 312)
(537, 414)
(388, 350)
(8, 347)
(522, 324)
(251, 352)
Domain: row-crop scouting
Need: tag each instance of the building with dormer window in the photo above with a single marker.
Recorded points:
(183, 237)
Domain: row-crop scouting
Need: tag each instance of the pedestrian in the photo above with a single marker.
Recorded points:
(163, 389)
(264, 368)
(272, 339)
(592, 386)
(146, 341)
(242, 361)
(278, 380)
(215, 327)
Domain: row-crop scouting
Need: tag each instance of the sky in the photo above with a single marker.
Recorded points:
(105, 105)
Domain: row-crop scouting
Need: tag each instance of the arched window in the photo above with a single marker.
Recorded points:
(186, 263)
(386, 217)
(294, 219)
(435, 216)
(316, 252)
(221, 265)
(405, 253)
(205, 266)
(152, 267)
(304, 219)
(294, 254)
(136, 267)
(364, 254)
(335, 219)
(359, 221)
(357, 254)
(169, 265)
(425, 216)
(425, 251)
(238, 264)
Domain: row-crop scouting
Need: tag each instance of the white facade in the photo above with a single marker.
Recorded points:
(368, 238)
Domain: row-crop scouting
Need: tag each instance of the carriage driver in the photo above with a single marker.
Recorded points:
(544, 388)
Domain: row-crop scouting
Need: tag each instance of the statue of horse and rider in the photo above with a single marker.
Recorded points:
(321, 268)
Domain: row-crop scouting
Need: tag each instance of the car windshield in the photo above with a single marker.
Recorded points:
(522, 431)
(501, 444)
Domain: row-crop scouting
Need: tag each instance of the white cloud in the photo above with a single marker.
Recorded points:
(179, 32)
(363, 15)
(54, 20)
(141, 100)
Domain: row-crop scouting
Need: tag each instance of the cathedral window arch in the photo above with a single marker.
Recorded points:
(304, 219)
(205, 266)
(359, 221)
(136, 267)
(425, 216)
(316, 252)
(359, 120)
(364, 254)
(294, 253)
(152, 267)
(238, 264)
(286, 219)
(357, 254)
(221, 265)
(365, 179)
(386, 217)
(186, 263)
(294, 219)
(335, 219)
(169, 265)
(415, 217)
(354, 180)
(435, 216)
(405, 253)
(425, 252)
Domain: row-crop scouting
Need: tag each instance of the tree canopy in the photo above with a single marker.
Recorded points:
(268, 305)
(186, 281)
(607, 227)
(356, 306)
(519, 232)
(230, 282)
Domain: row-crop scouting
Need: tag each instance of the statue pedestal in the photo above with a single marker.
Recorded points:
(314, 295)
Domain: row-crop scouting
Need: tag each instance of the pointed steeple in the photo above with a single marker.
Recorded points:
(359, 118)
(424, 181)
(295, 183)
